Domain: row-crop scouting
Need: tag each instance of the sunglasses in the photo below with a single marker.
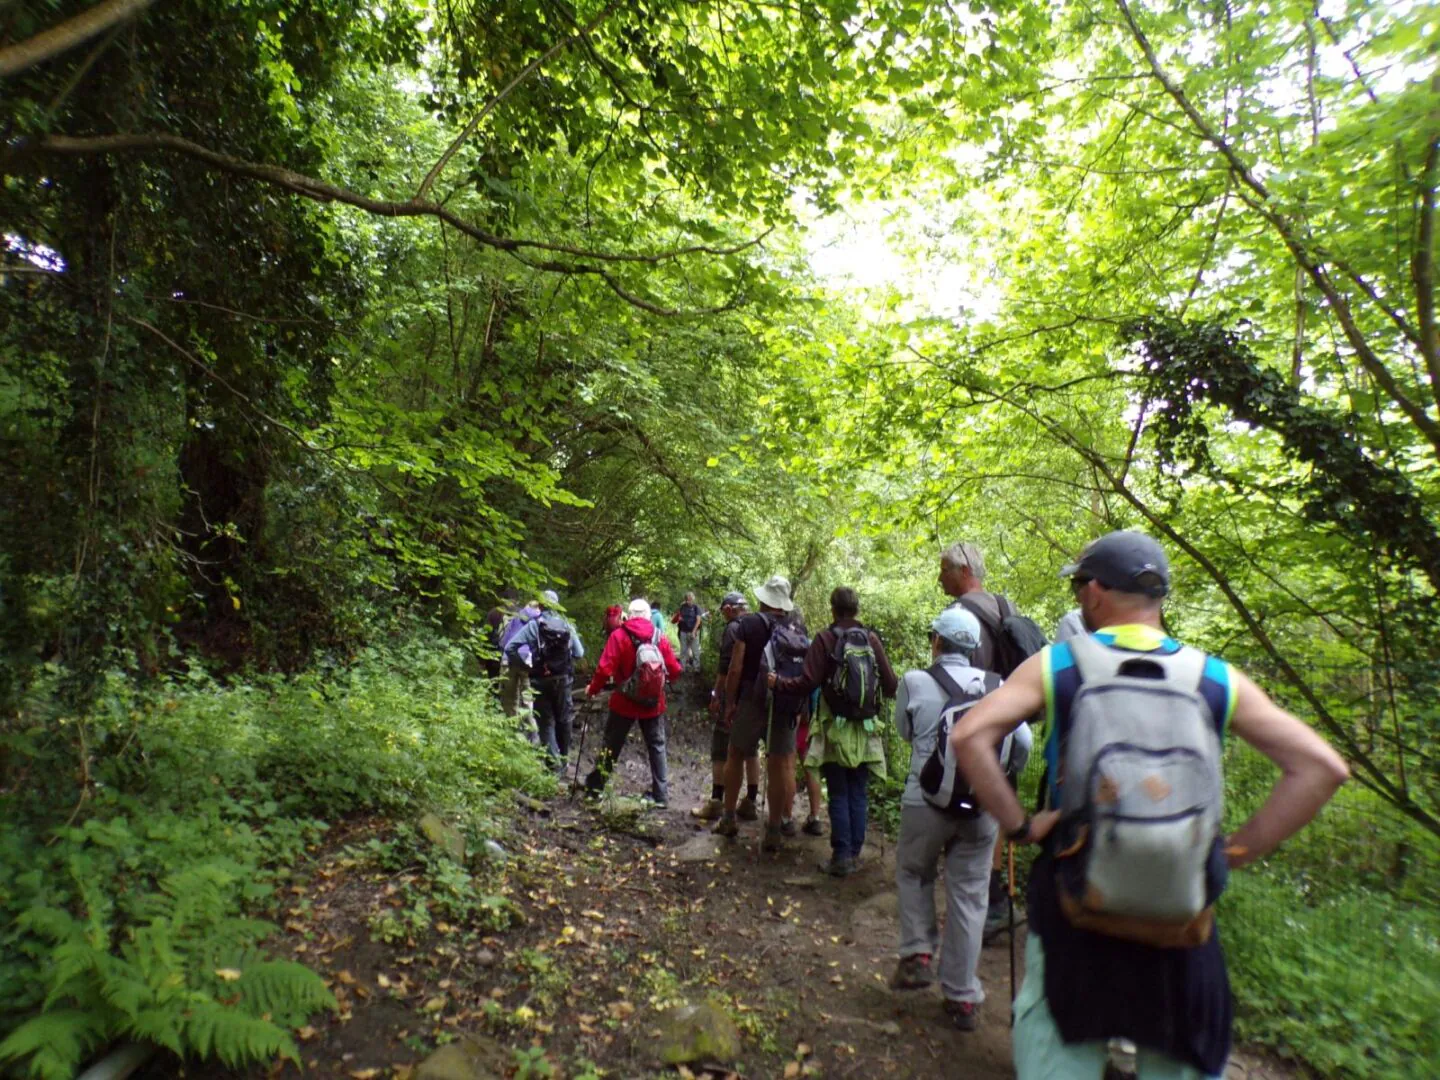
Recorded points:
(1077, 583)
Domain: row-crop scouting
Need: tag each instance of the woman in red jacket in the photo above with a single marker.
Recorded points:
(638, 661)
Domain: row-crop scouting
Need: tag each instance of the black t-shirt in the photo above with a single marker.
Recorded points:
(727, 645)
(689, 616)
(754, 630)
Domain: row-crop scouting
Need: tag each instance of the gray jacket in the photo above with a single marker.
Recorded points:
(918, 704)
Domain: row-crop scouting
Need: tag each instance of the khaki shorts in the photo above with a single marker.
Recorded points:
(752, 725)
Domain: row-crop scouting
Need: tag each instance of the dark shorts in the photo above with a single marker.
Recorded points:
(749, 731)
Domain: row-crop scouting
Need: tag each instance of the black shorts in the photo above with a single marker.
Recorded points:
(752, 724)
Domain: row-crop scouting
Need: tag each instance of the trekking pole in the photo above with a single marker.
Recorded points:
(1010, 878)
(580, 753)
(769, 729)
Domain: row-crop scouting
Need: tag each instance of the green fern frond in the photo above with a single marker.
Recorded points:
(160, 1026)
(235, 1038)
(55, 1042)
(287, 991)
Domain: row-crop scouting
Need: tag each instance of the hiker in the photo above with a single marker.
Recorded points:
(1122, 942)
(551, 647)
(1072, 624)
(809, 775)
(687, 619)
(490, 665)
(657, 619)
(748, 717)
(512, 693)
(962, 576)
(939, 820)
(614, 616)
(847, 662)
(732, 606)
(638, 659)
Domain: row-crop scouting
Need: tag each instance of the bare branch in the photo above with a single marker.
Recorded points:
(321, 191)
(504, 92)
(72, 32)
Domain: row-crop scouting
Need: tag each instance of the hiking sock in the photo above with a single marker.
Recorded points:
(717, 791)
(751, 791)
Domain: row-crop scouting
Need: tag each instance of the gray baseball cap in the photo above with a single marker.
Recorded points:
(733, 599)
(1128, 562)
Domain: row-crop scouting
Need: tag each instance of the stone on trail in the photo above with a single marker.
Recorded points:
(473, 1057)
(697, 1033)
(495, 853)
(702, 847)
(445, 837)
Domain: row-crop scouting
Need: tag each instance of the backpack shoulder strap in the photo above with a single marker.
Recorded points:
(978, 610)
(945, 681)
(1007, 609)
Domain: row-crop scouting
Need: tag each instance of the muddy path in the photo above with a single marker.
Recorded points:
(619, 914)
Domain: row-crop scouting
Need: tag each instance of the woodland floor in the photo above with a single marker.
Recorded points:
(622, 913)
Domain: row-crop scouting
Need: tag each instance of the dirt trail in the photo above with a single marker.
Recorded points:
(625, 913)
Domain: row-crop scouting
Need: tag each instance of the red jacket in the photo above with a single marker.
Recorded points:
(617, 661)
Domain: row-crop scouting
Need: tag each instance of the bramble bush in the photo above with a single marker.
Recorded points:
(134, 874)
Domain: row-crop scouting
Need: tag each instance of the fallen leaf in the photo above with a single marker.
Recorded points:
(227, 974)
(364, 1074)
(306, 1033)
(382, 981)
(434, 1004)
(803, 1050)
(792, 1070)
(345, 977)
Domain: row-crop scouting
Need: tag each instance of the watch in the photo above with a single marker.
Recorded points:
(1021, 833)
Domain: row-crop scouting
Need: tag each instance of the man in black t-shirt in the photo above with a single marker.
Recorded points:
(745, 710)
(732, 607)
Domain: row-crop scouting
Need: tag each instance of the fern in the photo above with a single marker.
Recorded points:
(161, 981)
(55, 1042)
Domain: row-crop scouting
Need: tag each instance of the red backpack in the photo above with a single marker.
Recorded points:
(647, 681)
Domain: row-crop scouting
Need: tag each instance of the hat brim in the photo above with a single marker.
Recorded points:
(1069, 569)
(773, 598)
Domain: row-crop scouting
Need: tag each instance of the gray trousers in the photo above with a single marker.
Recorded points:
(966, 844)
(617, 730)
(552, 716)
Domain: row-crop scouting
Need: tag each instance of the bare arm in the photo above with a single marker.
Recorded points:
(1311, 772)
(732, 678)
(976, 738)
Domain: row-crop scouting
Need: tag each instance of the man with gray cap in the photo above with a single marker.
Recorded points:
(732, 606)
(1134, 749)
(548, 646)
(963, 835)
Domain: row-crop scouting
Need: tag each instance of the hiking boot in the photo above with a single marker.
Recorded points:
(726, 826)
(709, 810)
(912, 973)
(838, 867)
(788, 829)
(963, 1015)
(997, 920)
(746, 811)
(773, 834)
(813, 827)
(654, 802)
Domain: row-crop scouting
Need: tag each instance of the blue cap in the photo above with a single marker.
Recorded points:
(958, 626)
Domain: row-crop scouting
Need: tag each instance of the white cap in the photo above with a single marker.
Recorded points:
(551, 597)
(639, 608)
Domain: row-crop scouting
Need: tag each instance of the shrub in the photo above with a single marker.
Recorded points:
(128, 899)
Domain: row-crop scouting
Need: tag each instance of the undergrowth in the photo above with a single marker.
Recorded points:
(146, 840)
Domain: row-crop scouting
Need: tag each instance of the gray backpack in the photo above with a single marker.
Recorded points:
(1141, 770)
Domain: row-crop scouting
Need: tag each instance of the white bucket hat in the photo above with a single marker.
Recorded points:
(775, 593)
(639, 608)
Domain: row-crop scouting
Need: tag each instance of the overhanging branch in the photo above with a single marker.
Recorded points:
(321, 191)
(72, 32)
